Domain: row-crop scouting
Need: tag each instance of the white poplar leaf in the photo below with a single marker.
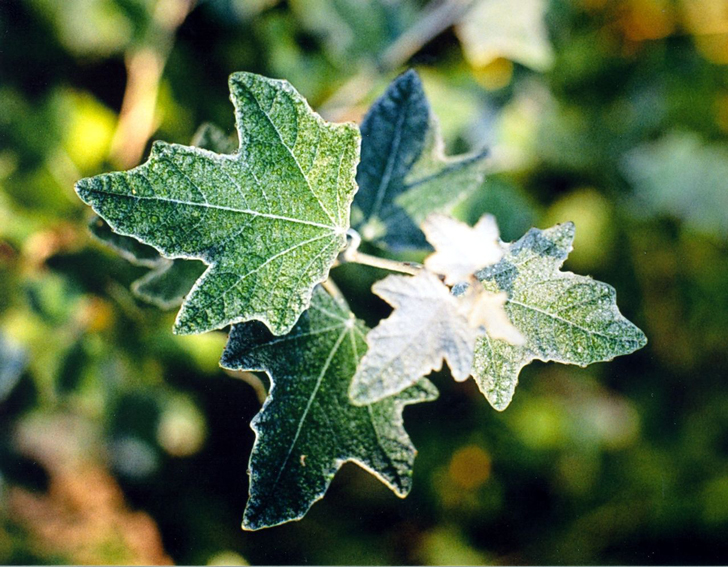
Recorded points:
(461, 250)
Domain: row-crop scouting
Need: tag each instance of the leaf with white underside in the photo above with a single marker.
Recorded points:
(487, 310)
(308, 427)
(404, 175)
(125, 246)
(564, 317)
(460, 250)
(426, 327)
(269, 220)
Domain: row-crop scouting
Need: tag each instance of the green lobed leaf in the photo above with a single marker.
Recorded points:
(426, 328)
(308, 427)
(269, 220)
(354, 29)
(564, 317)
(404, 174)
(169, 282)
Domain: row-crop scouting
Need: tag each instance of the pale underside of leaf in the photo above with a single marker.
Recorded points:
(404, 174)
(269, 220)
(460, 250)
(564, 317)
(308, 427)
(487, 309)
(426, 328)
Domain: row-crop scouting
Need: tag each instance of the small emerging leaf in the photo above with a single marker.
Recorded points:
(404, 174)
(564, 317)
(269, 220)
(460, 250)
(308, 427)
(211, 137)
(426, 327)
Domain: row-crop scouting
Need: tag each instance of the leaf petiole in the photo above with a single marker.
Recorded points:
(352, 254)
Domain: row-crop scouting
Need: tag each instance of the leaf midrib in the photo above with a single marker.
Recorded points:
(311, 398)
(332, 228)
(609, 338)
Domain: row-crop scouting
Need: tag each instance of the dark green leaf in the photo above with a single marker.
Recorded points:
(404, 175)
(308, 427)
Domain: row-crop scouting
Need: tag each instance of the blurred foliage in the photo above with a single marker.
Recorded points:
(122, 443)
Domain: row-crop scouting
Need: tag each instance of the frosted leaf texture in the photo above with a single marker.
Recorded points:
(269, 220)
(308, 427)
(564, 317)
(460, 250)
(496, 28)
(169, 282)
(425, 328)
(404, 174)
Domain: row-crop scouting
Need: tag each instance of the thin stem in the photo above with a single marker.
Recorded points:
(251, 380)
(333, 290)
(411, 268)
(436, 18)
(144, 68)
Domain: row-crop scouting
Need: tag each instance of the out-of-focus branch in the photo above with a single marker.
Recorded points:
(144, 67)
(435, 21)
(251, 380)
(437, 17)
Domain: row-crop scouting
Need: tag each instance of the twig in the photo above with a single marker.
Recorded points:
(432, 24)
(352, 254)
(143, 74)
(439, 15)
(333, 289)
(411, 268)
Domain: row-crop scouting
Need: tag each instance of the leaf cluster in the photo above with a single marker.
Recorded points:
(269, 219)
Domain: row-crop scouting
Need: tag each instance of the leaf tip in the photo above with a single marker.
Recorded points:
(499, 404)
(84, 188)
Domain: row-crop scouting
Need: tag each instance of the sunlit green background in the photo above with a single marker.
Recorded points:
(122, 443)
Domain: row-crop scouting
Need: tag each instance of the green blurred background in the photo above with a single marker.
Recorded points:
(122, 443)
